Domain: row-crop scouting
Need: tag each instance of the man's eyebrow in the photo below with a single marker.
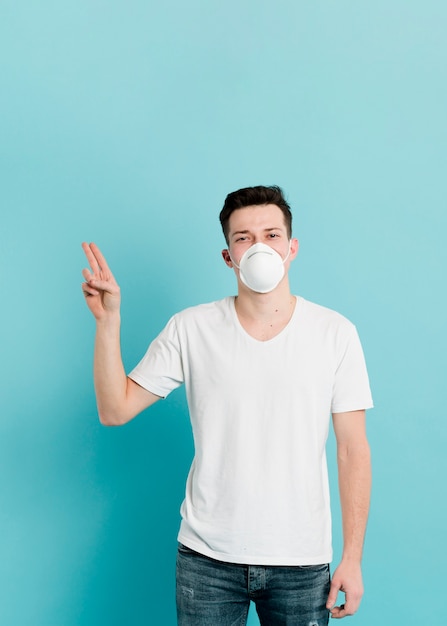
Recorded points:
(266, 230)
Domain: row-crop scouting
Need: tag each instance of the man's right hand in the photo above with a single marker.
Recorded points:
(118, 397)
(100, 289)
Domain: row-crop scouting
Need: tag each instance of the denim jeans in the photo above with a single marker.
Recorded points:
(213, 593)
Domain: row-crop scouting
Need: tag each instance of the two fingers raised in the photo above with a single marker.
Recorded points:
(99, 277)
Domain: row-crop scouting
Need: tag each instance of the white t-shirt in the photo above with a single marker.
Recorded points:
(257, 492)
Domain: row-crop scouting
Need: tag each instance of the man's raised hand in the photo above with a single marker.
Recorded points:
(100, 288)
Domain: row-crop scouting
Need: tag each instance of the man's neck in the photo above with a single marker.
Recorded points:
(265, 315)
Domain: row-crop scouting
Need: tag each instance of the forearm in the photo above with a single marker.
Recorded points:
(354, 472)
(109, 376)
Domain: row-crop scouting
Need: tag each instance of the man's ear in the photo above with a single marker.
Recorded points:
(294, 247)
(226, 257)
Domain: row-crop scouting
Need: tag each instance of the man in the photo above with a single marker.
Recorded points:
(263, 372)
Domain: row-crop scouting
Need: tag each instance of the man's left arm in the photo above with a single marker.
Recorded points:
(354, 478)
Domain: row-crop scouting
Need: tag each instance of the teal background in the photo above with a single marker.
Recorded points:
(127, 123)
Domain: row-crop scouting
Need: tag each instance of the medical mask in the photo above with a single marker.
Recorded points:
(261, 268)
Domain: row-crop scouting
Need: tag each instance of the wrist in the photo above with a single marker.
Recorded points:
(353, 558)
(109, 321)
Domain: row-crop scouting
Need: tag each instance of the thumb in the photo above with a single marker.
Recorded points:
(104, 285)
(332, 597)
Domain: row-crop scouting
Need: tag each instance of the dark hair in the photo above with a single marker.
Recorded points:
(252, 196)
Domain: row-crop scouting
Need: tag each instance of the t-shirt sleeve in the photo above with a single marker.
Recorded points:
(351, 391)
(161, 369)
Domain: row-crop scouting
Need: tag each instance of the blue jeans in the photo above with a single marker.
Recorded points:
(213, 593)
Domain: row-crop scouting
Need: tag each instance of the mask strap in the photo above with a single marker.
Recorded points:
(290, 250)
(231, 259)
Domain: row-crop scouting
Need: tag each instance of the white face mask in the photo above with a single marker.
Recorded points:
(261, 268)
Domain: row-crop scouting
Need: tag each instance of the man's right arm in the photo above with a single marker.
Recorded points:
(119, 398)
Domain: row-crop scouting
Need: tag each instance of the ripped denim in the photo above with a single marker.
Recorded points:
(213, 593)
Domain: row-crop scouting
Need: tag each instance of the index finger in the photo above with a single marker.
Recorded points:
(95, 258)
(344, 609)
(338, 612)
(94, 266)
